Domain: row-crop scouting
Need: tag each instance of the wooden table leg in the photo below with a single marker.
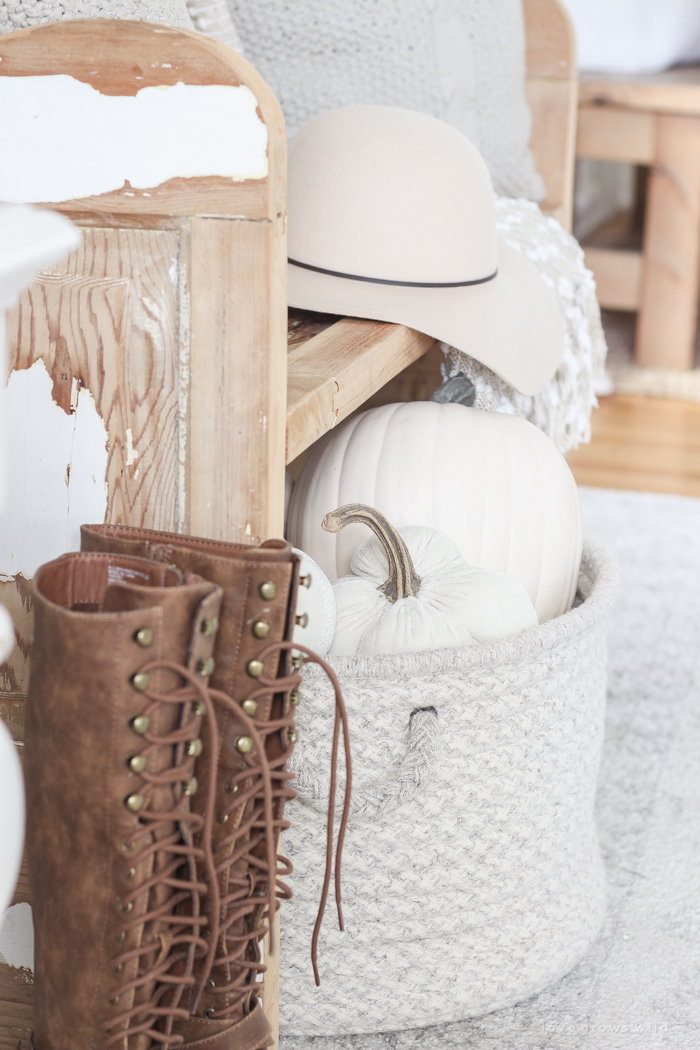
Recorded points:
(671, 276)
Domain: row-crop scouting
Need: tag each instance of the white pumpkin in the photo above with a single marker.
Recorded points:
(410, 590)
(494, 483)
(315, 624)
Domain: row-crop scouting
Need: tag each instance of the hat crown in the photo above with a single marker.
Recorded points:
(392, 195)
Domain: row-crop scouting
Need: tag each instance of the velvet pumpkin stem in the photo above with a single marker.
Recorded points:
(403, 579)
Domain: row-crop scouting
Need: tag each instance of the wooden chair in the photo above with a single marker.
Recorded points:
(173, 315)
(652, 121)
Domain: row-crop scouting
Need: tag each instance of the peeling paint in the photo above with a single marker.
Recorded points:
(102, 143)
(17, 937)
(131, 453)
(56, 472)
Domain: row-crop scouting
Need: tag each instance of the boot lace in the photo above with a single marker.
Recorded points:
(244, 916)
(258, 794)
(166, 961)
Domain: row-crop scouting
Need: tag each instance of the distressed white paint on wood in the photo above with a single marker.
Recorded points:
(17, 937)
(11, 816)
(63, 139)
(57, 468)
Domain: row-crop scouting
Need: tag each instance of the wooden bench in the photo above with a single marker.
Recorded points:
(651, 121)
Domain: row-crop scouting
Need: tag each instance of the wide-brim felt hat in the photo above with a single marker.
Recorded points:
(391, 217)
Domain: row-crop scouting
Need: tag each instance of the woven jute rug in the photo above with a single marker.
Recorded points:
(625, 377)
(637, 989)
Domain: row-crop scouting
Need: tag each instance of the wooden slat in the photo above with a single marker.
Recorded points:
(16, 1001)
(618, 276)
(552, 93)
(607, 133)
(338, 370)
(549, 38)
(553, 108)
(238, 350)
(675, 91)
(669, 301)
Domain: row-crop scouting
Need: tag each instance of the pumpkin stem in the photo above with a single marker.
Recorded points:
(403, 579)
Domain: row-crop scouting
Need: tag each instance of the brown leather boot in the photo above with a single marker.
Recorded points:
(257, 619)
(121, 651)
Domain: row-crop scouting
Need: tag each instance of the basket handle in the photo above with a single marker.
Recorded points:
(407, 779)
(414, 772)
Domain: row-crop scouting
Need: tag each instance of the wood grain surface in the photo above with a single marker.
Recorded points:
(551, 88)
(647, 444)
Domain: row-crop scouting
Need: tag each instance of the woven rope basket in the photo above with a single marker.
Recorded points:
(471, 873)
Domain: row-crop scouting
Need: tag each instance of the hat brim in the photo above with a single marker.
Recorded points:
(512, 324)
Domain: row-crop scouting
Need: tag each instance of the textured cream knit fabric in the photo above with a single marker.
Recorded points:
(19, 14)
(471, 873)
(460, 60)
(563, 409)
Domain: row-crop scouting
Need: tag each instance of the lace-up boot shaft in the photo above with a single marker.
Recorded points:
(257, 613)
(112, 734)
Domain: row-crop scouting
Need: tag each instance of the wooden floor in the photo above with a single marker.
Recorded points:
(644, 443)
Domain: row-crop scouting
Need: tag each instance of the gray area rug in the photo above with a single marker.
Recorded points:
(639, 986)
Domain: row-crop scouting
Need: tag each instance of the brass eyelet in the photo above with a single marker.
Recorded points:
(294, 697)
(292, 736)
(261, 629)
(140, 681)
(200, 708)
(244, 744)
(206, 667)
(125, 847)
(230, 789)
(130, 873)
(127, 907)
(302, 620)
(268, 590)
(209, 1012)
(119, 937)
(114, 1000)
(140, 724)
(211, 982)
(250, 707)
(194, 748)
(255, 668)
(210, 627)
(134, 802)
(118, 968)
(222, 819)
(136, 763)
(305, 581)
(191, 786)
(144, 637)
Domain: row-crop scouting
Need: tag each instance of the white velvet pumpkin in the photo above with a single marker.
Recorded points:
(494, 483)
(315, 612)
(449, 603)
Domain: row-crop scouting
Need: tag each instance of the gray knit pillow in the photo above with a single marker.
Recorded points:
(18, 14)
(460, 60)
